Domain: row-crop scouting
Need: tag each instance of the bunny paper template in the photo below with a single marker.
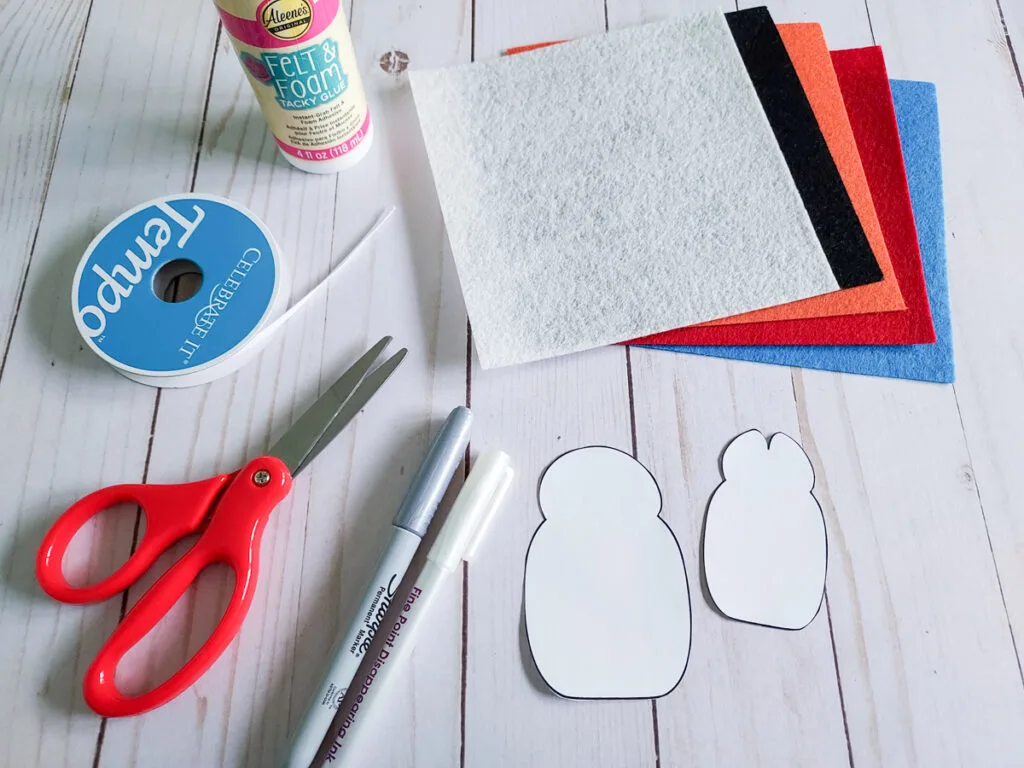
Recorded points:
(606, 596)
(765, 547)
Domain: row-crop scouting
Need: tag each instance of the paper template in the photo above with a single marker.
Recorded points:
(918, 118)
(606, 598)
(865, 88)
(765, 548)
(807, 155)
(612, 187)
(805, 44)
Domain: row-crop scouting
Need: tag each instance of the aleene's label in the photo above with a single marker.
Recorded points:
(287, 19)
(298, 57)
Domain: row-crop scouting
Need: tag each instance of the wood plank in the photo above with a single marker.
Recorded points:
(628, 13)
(35, 86)
(536, 412)
(982, 160)
(321, 544)
(959, 49)
(926, 660)
(1011, 16)
(925, 657)
(413, 294)
(778, 689)
(898, 669)
(921, 520)
(70, 424)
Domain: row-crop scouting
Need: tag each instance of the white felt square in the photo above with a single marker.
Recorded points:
(613, 187)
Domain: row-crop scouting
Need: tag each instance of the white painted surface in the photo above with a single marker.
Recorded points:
(912, 661)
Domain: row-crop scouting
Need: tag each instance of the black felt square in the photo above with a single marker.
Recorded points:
(807, 155)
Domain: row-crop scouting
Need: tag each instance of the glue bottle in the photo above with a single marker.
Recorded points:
(298, 58)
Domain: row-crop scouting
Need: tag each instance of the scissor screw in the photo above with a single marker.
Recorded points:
(261, 477)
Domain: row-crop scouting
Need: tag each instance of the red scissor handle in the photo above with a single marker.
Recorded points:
(233, 538)
(172, 512)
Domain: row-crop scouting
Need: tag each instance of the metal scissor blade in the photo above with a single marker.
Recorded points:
(296, 446)
(355, 403)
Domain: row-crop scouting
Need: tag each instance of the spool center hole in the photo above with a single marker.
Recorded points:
(177, 280)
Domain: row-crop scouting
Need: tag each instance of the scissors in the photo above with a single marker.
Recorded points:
(229, 511)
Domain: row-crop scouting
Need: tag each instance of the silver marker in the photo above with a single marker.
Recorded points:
(410, 525)
(478, 503)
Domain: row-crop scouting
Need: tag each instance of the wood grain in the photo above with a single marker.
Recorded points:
(1011, 18)
(686, 413)
(906, 700)
(70, 424)
(535, 413)
(911, 661)
(983, 159)
(321, 544)
(35, 86)
(981, 126)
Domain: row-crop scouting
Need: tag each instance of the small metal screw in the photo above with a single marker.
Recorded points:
(261, 477)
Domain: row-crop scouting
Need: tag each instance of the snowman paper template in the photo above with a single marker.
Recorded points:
(765, 548)
(605, 595)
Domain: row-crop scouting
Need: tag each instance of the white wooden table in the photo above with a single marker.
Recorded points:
(912, 660)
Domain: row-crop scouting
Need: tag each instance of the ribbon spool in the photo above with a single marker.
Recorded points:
(122, 311)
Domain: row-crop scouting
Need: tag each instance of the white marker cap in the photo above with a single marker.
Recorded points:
(470, 516)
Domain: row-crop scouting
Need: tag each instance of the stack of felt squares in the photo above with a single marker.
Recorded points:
(716, 185)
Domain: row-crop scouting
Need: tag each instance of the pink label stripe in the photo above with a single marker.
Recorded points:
(251, 31)
(329, 153)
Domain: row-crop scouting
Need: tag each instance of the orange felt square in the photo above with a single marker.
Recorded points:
(806, 46)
